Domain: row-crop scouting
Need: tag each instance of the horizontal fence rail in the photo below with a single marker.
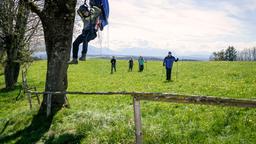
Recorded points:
(169, 97)
(203, 100)
(162, 97)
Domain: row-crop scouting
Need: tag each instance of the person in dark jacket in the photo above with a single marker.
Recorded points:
(130, 64)
(168, 63)
(89, 31)
(113, 64)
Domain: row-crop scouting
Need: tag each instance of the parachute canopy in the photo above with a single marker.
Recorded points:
(104, 5)
(105, 16)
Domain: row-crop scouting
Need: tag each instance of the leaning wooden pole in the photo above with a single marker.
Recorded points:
(29, 100)
(170, 97)
(202, 100)
(137, 120)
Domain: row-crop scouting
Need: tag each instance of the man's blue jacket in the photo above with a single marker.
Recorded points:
(168, 61)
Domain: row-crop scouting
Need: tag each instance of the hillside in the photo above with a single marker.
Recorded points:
(109, 119)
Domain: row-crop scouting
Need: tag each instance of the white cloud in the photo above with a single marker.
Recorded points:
(250, 5)
(175, 25)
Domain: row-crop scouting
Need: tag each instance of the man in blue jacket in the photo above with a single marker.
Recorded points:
(168, 63)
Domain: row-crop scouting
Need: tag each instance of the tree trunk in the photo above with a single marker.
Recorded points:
(58, 22)
(11, 74)
(11, 70)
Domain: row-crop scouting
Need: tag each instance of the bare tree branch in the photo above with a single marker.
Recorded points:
(34, 8)
(32, 30)
(34, 25)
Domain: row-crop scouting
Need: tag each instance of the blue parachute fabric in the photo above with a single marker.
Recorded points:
(105, 16)
(105, 8)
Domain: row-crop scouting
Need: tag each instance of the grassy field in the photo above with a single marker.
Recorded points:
(109, 119)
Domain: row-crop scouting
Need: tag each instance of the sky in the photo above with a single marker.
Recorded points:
(185, 27)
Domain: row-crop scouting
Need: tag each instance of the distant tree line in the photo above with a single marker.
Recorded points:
(231, 54)
(247, 55)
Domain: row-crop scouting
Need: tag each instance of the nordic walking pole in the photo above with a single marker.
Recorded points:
(177, 71)
(145, 65)
(162, 70)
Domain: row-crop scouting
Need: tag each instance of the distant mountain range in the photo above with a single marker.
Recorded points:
(126, 53)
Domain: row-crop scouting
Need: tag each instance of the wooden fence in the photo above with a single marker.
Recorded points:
(163, 97)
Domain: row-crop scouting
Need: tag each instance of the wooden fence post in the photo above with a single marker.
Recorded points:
(137, 120)
(29, 100)
(49, 104)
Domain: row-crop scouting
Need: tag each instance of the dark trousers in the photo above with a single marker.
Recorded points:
(130, 67)
(85, 37)
(168, 73)
(141, 67)
(113, 68)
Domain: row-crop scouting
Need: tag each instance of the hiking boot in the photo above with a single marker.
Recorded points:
(83, 57)
(74, 61)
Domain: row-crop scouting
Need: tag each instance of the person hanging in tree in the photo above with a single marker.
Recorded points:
(168, 63)
(113, 64)
(94, 18)
(141, 63)
(130, 64)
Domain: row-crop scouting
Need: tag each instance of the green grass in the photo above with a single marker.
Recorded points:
(109, 119)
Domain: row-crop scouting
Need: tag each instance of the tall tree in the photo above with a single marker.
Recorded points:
(57, 18)
(218, 56)
(13, 21)
(230, 54)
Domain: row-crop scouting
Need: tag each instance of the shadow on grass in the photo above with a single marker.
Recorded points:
(14, 93)
(5, 126)
(5, 90)
(39, 126)
(66, 138)
(168, 81)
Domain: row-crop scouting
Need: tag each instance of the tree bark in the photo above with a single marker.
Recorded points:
(11, 73)
(11, 70)
(58, 22)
